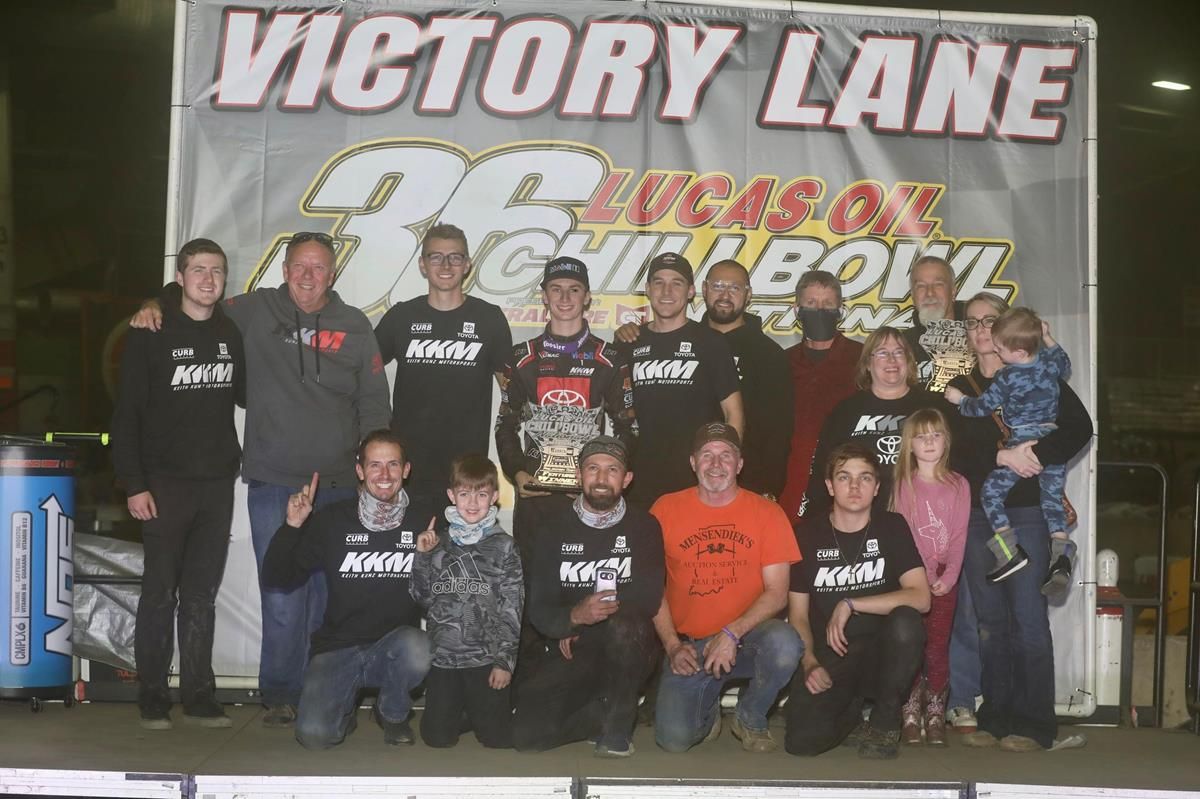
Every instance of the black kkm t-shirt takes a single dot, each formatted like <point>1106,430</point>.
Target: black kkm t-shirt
<point>442,399</point>
<point>837,565</point>
<point>679,381</point>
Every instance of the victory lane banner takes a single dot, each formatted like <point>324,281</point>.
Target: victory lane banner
<point>787,136</point>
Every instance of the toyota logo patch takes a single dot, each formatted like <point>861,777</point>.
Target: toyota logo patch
<point>889,445</point>
<point>564,396</point>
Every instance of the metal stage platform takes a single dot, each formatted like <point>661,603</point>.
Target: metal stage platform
<point>46,754</point>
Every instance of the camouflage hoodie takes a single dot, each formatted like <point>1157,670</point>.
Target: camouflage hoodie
<point>473,596</point>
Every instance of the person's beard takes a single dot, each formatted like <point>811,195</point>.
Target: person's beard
<point>601,503</point>
<point>724,316</point>
<point>931,313</point>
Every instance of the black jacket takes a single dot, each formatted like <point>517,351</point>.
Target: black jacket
<point>767,398</point>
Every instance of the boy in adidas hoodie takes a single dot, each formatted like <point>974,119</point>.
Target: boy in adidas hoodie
<point>468,578</point>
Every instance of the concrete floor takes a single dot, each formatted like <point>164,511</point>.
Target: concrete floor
<point>106,736</point>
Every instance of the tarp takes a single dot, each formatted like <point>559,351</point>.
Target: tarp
<point>788,136</point>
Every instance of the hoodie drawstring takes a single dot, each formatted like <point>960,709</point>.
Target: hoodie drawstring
<point>299,346</point>
<point>316,346</point>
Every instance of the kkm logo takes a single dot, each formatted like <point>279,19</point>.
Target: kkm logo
<point>523,203</point>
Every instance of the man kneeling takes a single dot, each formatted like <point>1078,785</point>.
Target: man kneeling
<point>370,636</point>
<point>728,551</point>
<point>597,580</point>
<point>868,590</point>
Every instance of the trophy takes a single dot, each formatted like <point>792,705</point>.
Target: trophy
<point>558,433</point>
<point>946,342</point>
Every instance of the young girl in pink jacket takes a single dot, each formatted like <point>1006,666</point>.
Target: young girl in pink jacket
<point>936,502</point>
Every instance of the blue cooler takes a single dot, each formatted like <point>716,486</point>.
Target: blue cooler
<point>37,529</point>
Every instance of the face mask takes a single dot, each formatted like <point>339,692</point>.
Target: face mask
<point>819,324</point>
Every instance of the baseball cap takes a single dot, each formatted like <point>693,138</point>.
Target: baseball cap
<point>716,431</point>
<point>673,261</point>
<point>605,445</point>
<point>565,266</point>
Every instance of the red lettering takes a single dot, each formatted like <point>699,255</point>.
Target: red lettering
<point>854,209</point>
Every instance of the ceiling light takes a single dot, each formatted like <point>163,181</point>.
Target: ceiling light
<point>1172,85</point>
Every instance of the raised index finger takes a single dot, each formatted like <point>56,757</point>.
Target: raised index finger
<point>312,487</point>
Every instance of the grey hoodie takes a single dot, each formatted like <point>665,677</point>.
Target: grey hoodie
<point>311,397</point>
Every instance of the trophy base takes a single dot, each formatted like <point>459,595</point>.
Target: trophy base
<point>555,488</point>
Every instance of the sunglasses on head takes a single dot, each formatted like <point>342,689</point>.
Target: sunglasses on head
<point>320,238</point>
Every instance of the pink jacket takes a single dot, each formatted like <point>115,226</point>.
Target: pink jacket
<point>937,514</point>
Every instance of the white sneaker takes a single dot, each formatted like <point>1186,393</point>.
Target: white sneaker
<point>961,719</point>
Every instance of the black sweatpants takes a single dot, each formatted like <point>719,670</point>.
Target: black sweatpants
<point>185,549</point>
<point>592,695</point>
<point>458,700</point>
<point>879,666</point>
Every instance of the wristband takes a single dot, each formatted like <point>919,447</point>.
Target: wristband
<point>849,604</point>
<point>736,641</point>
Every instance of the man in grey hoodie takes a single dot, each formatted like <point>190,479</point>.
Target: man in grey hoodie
<point>315,386</point>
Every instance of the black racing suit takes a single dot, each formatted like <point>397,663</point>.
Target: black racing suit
<point>556,386</point>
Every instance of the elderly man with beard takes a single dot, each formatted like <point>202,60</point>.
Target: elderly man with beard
<point>937,336</point>
<point>370,636</point>
<point>728,555</point>
<point>596,582</point>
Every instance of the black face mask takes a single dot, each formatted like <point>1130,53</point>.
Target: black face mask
<point>819,324</point>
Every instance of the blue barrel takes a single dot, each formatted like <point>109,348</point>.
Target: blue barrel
<point>37,530</point>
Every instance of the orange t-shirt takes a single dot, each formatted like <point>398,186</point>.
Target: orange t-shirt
<point>715,556</point>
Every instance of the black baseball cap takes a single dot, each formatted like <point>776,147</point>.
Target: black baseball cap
<point>605,445</point>
<point>716,431</point>
<point>565,266</point>
<point>673,261</point>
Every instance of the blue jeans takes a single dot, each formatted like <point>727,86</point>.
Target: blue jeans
<point>1014,631</point>
<point>965,666</point>
<point>395,664</point>
<point>687,705</point>
<point>288,617</point>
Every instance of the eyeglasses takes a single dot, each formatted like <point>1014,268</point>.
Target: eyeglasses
<point>438,258</point>
<point>321,238</point>
<point>987,322</point>
<point>888,355</point>
<point>724,287</point>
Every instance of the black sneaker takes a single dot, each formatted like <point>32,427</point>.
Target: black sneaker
<point>206,713</point>
<point>1018,561</point>
<point>1058,579</point>
<point>880,745</point>
<point>615,746</point>
<point>395,733</point>
<point>155,718</point>
<point>279,716</point>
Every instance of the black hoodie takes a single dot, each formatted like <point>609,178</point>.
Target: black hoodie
<point>767,397</point>
<point>174,410</point>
